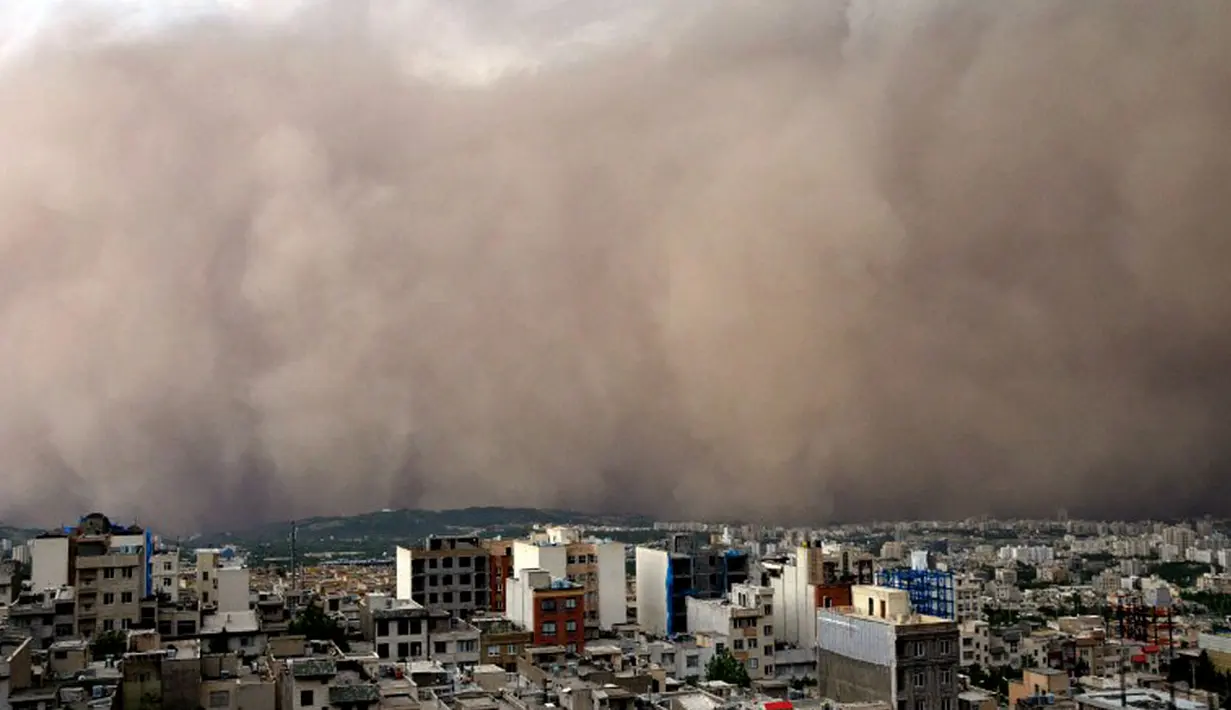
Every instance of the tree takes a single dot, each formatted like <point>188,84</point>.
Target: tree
<point>109,643</point>
<point>316,626</point>
<point>727,668</point>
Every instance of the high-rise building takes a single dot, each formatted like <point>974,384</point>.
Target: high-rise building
<point>447,572</point>
<point>597,565</point>
<point>879,650</point>
<point>666,578</point>
<point>110,567</point>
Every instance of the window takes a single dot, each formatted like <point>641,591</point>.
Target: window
<point>126,597</point>
<point>440,647</point>
<point>767,631</point>
<point>946,677</point>
<point>753,663</point>
<point>108,573</point>
<point>108,598</point>
<point>570,626</point>
<point>382,627</point>
<point>738,644</point>
<point>511,649</point>
<point>463,579</point>
<point>433,598</point>
<point>416,649</point>
<point>204,576</point>
<point>945,647</point>
<point>921,705</point>
<point>446,597</point>
<point>572,559</point>
<point>752,643</point>
<point>433,580</point>
<point>305,698</point>
<point>127,572</point>
<point>493,650</point>
<point>920,679</point>
<point>166,581</point>
<point>108,624</point>
<point>382,650</point>
<point>921,648</point>
<point>463,561</point>
<point>769,671</point>
<point>691,662</point>
<point>946,704</point>
<point>570,603</point>
<point>166,566</point>
<point>447,580</point>
<point>220,699</point>
<point>465,597</point>
<point>467,646</point>
<point>432,563</point>
<point>403,650</point>
<point>548,628</point>
<point>769,650</point>
<point>447,563</point>
<point>548,605</point>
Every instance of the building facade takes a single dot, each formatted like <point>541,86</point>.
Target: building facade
<point>553,609</point>
<point>879,650</point>
<point>449,573</point>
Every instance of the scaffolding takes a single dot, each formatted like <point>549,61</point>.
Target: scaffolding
<point>931,591</point>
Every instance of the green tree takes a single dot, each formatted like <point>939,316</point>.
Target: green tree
<point>727,668</point>
<point>109,643</point>
<point>313,623</point>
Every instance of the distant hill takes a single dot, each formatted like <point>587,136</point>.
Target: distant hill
<point>376,534</point>
<point>17,534</point>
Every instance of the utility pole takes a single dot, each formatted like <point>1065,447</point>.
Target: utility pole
<point>294,562</point>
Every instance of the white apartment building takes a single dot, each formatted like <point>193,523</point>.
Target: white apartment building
<point>975,637</point>
<point>597,565</point>
<point>967,590</point>
<point>743,623</point>
<point>222,585</point>
<point>166,573</point>
<point>404,630</point>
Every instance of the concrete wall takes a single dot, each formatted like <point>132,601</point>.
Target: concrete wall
<point>49,560</point>
<point>232,589</point>
<point>651,585</point>
<point>849,680</point>
<point>612,583</point>
<point>553,558</point>
<point>403,572</point>
<point>858,638</point>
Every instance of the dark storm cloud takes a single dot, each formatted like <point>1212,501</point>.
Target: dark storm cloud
<point>795,259</point>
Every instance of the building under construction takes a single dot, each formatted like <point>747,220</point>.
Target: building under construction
<point>932,592</point>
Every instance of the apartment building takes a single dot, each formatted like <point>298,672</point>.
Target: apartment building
<point>499,568</point>
<point>501,641</point>
<point>403,630</point>
<point>109,566</point>
<point>812,579</point>
<point>46,616</point>
<point>222,582</point>
<point>878,650</point>
<point>597,565</point>
<point>743,624</point>
<point>166,572</point>
<point>667,577</point>
<point>552,608</point>
<point>447,572</point>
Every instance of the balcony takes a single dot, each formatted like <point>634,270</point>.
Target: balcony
<point>109,560</point>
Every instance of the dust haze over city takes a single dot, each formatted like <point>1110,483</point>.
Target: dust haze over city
<point>802,260</point>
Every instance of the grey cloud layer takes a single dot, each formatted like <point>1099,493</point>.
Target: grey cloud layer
<point>793,259</point>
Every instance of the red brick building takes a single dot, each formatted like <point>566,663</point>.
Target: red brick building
<point>553,609</point>
<point>500,568</point>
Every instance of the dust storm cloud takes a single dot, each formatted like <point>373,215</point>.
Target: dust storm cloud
<point>791,260</point>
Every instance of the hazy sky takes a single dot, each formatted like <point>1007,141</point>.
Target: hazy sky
<point>779,260</point>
